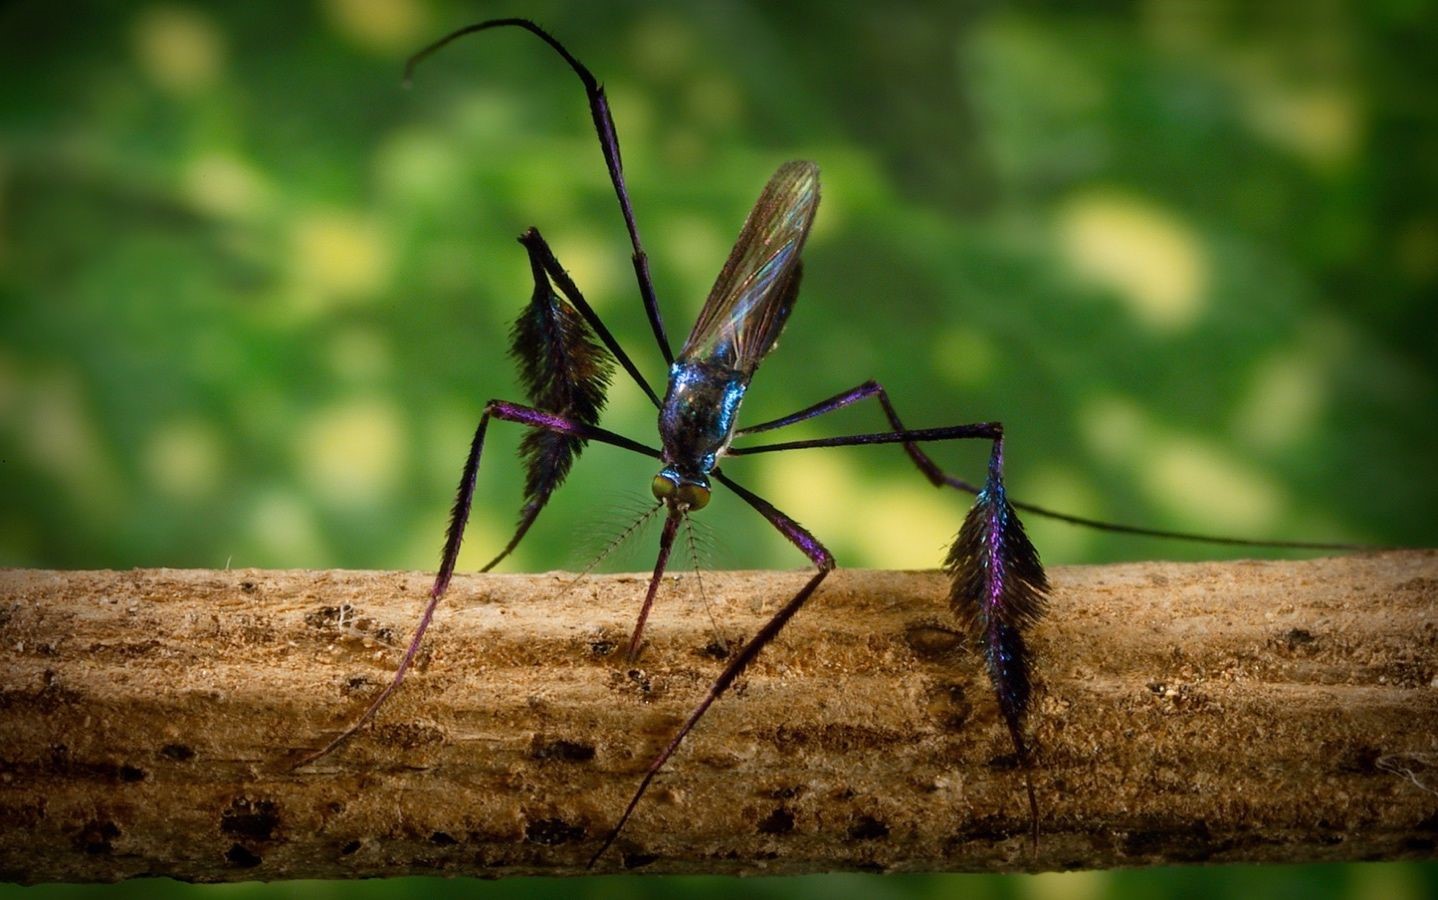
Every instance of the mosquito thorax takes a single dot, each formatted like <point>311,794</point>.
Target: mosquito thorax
<point>696,420</point>
<point>672,488</point>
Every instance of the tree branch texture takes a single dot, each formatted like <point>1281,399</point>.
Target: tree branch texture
<point>1247,711</point>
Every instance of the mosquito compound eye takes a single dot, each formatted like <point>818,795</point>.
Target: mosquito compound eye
<point>662,487</point>
<point>696,495</point>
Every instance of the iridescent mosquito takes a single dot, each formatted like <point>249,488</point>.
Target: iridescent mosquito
<point>566,359</point>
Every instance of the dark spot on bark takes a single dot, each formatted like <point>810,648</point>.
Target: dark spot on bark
<point>636,860</point>
<point>358,684</point>
<point>602,648</point>
<point>788,792</point>
<point>94,839</point>
<point>552,832</point>
<point>780,821</point>
<point>1299,641</point>
<point>131,774</point>
<point>868,828</point>
<point>324,618</point>
<point>1363,761</point>
<point>1005,762</point>
<point>254,820</point>
<point>933,642</point>
<point>560,750</point>
<point>241,858</point>
<point>638,677</point>
<point>247,586</point>
<point>177,752</point>
<point>350,848</point>
<point>715,649</point>
<point>441,839</point>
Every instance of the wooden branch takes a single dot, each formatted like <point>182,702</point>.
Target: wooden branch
<point>1275,711</point>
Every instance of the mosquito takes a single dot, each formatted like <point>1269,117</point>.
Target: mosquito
<point>566,359</point>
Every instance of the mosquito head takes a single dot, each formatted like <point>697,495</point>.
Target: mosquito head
<point>681,490</point>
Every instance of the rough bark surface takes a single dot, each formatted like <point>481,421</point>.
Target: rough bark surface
<point>1249,711</point>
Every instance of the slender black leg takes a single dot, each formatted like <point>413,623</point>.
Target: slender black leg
<point>938,477</point>
<point>989,430</point>
<point>822,559</point>
<point>608,143</point>
<point>846,398</point>
<point>459,516</point>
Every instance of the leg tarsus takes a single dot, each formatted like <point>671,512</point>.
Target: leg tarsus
<point>454,535</point>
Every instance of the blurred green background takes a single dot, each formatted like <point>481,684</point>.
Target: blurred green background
<point>253,294</point>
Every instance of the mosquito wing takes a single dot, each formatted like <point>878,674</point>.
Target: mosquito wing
<point>755,290</point>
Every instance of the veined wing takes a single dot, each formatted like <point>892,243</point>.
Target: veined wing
<point>755,290</point>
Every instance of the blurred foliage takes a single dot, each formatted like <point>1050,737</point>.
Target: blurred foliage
<point>253,294</point>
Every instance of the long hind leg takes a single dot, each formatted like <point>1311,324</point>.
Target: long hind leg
<point>938,477</point>
<point>459,516</point>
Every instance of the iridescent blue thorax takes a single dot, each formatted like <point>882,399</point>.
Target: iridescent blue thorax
<point>698,417</point>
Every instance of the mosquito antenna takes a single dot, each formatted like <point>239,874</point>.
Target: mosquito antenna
<point>613,544</point>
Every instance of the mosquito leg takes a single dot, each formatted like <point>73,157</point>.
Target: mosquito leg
<point>864,391</point>
<point>938,477</point>
<point>547,271</point>
<point>544,263</point>
<point>608,143</point>
<point>822,559</point>
<point>459,516</point>
<point>998,582</point>
<point>989,430</point>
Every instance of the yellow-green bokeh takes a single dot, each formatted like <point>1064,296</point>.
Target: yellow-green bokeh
<point>254,294</point>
